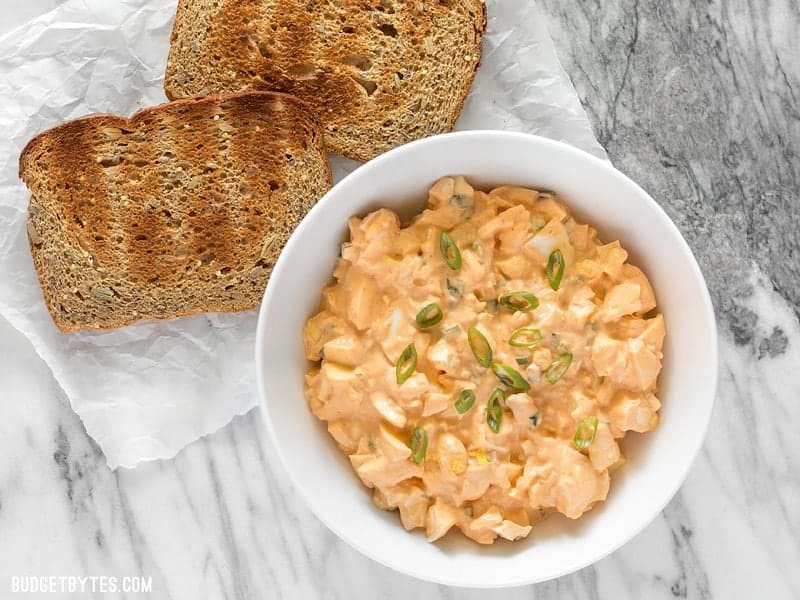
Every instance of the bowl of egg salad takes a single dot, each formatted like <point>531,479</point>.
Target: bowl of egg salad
<point>486,359</point>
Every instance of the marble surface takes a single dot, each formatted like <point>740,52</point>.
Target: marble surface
<point>698,102</point>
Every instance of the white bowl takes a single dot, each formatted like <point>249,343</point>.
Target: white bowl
<point>658,461</point>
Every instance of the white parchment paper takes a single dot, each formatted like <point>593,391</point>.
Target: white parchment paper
<point>145,391</point>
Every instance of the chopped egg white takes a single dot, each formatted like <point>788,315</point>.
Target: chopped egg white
<point>597,361</point>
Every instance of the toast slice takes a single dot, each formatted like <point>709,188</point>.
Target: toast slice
<point>378,73</point>
<point>180,209</point>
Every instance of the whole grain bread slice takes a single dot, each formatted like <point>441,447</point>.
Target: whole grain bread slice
<point>378,73</point>
<point>180,209</point>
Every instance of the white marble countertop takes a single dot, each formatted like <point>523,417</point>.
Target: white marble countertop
<point>700,106</point>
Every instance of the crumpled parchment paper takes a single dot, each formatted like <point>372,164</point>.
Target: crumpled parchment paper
<point>145,391</point>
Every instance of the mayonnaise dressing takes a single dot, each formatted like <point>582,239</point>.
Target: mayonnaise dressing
<point>599,356</point>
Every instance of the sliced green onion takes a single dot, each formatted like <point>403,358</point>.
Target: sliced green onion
<point>525,337</point>
<point>494,412</point>
<point>455,286</point>
<point>555,268</point>
<point>510,376</point>
<point>465,401</point>
<point>523,360</point>
<point>419,444</point>
<point>534,419</point>
<point>452,329</point>
<point>480,347</point>
<point>429,316</point>
<point>462,201</point>
<point>406,364</point>
<point>584,436</point>
<point>519,301</point>
<point>450,252</point>
<point>558,367</point>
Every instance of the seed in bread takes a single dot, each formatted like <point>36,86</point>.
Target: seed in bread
<point>379,73</point>
<point>180,209</point>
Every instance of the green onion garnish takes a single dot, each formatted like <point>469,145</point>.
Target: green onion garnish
<point>523,360</point>
<point>534,419</point>
<point>519,301</point>
<point>419,444</point>
<point>450,252</point>
<point>406,364</point>
<point>494,412</point>
<point>525,337</point>
<point>465,401</point>
<point>510,376</point>
<point>480,347</point>
<point>429,316</point>
<point>584,436</point>
<point>555,268</point>
<point>558,367</point>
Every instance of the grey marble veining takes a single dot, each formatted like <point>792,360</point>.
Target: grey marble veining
<point>695,101</point>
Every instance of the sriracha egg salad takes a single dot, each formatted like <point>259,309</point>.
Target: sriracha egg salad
<point>480,365</point>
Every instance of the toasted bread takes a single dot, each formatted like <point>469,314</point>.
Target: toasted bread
<point>378,73</point>
<point>180,209</point>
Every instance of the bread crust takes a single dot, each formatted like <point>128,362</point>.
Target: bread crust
<point>378,73</point>
<point>178,210</point>
<point>53,131</point>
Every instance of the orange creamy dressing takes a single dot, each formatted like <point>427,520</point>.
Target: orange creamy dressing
<point>485,483</point>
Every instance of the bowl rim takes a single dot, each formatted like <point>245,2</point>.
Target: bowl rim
<point>376,163</point>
